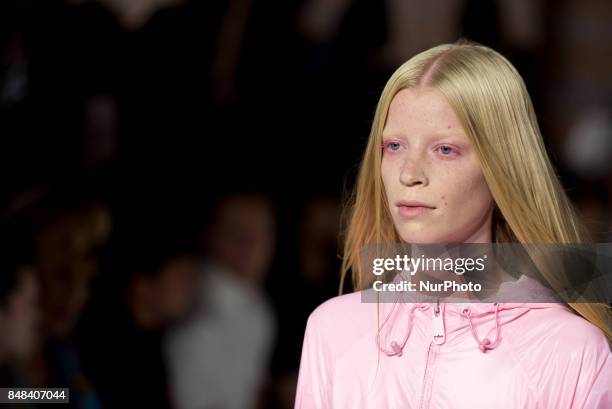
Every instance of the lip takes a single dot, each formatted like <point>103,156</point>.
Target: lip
<point>413,203</point>
<point>411,209</point>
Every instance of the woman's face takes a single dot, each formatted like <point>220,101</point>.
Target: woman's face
<point>433,181</point>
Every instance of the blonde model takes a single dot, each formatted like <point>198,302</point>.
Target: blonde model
<point>455,155</point>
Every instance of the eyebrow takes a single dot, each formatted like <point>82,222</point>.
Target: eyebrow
<point>400,135</point>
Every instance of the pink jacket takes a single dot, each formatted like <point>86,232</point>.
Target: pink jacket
<point>484,355</point>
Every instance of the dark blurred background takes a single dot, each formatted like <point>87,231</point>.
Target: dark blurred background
<point>173,173</point>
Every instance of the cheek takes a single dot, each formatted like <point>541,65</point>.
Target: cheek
<point>467,190</point>
<point>477,187</point>
<point>389,172</point>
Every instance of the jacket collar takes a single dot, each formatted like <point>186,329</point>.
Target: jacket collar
<point>520,295</point>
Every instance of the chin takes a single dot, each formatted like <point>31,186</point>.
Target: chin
<point>424,236</point>
<point>419,239</point>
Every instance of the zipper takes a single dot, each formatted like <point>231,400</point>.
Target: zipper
<point>439,336</point>
<point>426,376</point>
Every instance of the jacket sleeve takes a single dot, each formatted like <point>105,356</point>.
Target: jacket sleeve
<point>584,370</point>
<point>599,395</point>
<point>315,368</point>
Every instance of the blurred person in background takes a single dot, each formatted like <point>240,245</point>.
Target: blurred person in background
<point>148,281</point>
<point>242,235</point>
<point>68,232</point>
<point>219,356</point>
<point>19,306</point>
<point>587,149</point>
<point>587,155</point>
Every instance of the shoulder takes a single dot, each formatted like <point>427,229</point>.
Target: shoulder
<point>339,306</point>
<point>570,332</point>
<point>557,337</point>
<point>557,332</point>
<point>343,313</point>
<point>340,321</point>
<point>578,351</point>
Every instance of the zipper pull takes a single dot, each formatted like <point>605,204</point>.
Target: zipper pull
<point>438,325</point>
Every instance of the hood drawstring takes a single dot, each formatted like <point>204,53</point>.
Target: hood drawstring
<point>485,344</point>
<point>396,349</point>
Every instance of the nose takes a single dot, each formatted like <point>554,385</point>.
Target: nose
<point>412,173</point>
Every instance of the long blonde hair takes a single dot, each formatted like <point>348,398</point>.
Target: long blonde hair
<point>491,101</point>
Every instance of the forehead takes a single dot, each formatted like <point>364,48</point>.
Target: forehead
<point>424,110</point>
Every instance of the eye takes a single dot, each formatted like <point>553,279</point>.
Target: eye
<point>391,146</point>
<point>446,150</point>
